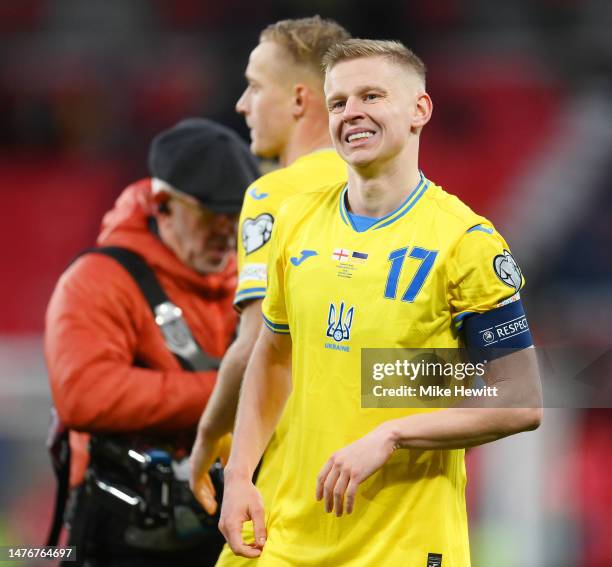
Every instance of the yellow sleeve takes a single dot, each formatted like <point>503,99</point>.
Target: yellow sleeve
<point>483,274</point>
<point>259,208</point>
<point>274,308</point>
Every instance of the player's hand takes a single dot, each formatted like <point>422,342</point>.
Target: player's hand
<point>242,502</point>
<point>347,468</point>
<point>204,453</point>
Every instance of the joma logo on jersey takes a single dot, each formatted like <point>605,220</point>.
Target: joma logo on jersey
<point>339,323</point>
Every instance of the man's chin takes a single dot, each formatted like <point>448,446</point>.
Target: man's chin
<point>210,265</point>
<point>261,150</point>
<point>360,159</point>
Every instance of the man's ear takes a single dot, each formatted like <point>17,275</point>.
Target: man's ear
<point>422,112</point>
<point>301,99</point>
<point>162,200</point>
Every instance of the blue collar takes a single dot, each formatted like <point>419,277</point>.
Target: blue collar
<point>361,223</point>
<point>410,202</point>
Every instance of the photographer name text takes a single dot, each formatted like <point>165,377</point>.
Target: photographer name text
<point>434,392</point>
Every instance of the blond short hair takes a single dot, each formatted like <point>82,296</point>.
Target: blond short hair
<point>395,51</point>
<point>306,39</point>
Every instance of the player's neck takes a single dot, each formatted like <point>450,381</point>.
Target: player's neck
<point>378,191</point>
<point>304,140</point>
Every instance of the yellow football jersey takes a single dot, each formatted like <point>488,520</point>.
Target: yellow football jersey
<point>405,282</point>
<point>261,202</point>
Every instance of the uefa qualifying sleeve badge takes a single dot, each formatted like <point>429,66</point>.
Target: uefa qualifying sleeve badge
<point>507,270</point>
<point>256,232</point>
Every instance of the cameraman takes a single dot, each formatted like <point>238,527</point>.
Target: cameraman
<point>113,374</point>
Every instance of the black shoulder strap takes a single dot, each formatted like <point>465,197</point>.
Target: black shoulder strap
<point>139,270</point>
<point>179,339</point>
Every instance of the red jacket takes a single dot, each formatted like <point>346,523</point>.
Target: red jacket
<point>98,324</point>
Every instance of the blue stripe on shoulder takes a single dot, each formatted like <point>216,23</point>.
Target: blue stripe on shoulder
<point>481,228</point>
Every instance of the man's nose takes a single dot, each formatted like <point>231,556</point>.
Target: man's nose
<point>241,106</point>
<point>353,109</point>
<point>225,224</point>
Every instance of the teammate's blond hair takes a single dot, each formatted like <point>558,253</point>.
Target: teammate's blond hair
<point>306,39</point>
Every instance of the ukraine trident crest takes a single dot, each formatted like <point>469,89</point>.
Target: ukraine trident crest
<point>339,323</point>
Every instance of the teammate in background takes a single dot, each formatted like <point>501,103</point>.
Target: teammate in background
<point>284,107</point>
<point>113,365</point>
<point>389,260</point>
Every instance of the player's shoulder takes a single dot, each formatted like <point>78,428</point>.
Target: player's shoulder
<point>319,166</point>
<point>452,210</point>
<point>308,173</point>
<point>311,171</point>
<point>269,190</point>
<point>308,202</point>
<point>473,234</point>
<point>265,194</point>
<point>273,181</point>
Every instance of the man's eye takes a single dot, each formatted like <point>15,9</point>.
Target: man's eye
<point>371,96</point>
<point>338,105</point>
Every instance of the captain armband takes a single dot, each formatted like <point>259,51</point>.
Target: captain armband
<point>497,333</point>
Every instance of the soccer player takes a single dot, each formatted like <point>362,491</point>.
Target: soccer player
<point>388,260</point>
<point>284,107</point>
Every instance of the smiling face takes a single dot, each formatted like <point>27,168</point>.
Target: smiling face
<point>376,108</point>
<point>266,103</point>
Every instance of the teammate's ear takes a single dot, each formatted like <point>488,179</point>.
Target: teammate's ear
<point>301,94</point>
<point>422,112</point>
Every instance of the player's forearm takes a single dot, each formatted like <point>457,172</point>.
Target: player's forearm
<point>220,412</point>
<point>266,387</point>
<point>459,427</point>
<point>516,407</point>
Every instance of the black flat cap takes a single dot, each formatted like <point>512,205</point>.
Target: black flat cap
<point>206,160</point>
